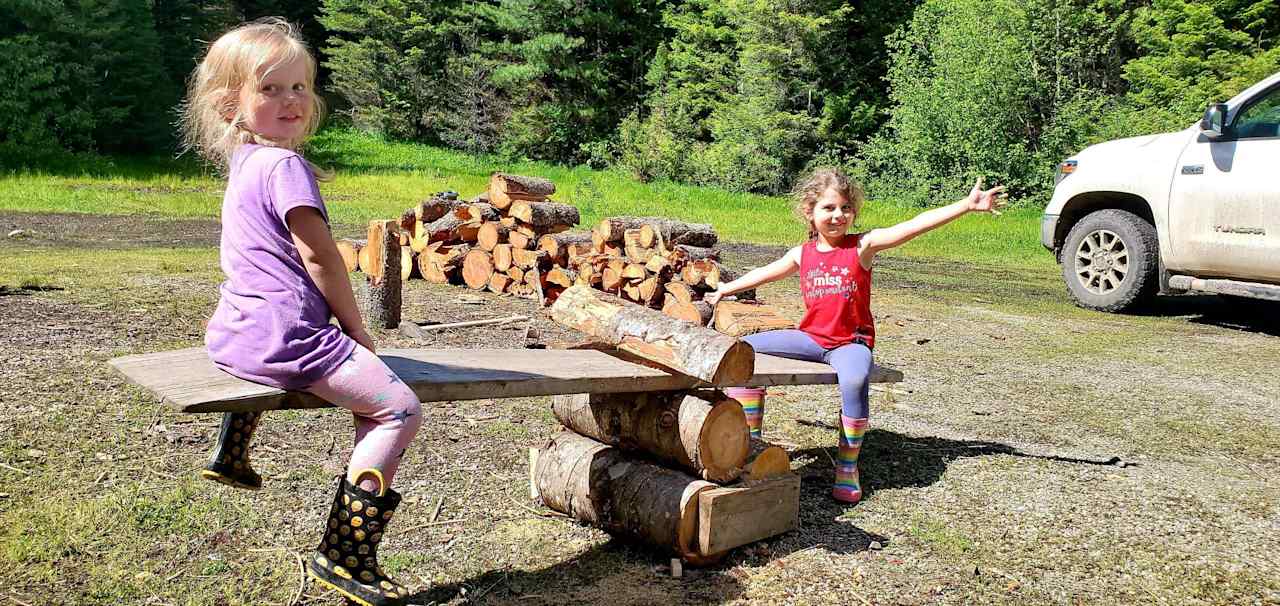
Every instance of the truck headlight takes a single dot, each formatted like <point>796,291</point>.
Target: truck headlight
<point>1064,168</point>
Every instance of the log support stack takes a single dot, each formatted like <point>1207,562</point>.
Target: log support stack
<point>674,469</point>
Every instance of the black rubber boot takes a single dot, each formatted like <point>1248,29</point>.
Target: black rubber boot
<point>347,559</point>
<point>229,463</point>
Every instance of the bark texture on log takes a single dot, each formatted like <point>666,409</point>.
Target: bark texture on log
<point>544,216</point>
<point>673,232</point>
<point>383,298</point>
<point>595,483</point>
<point>557,245</point>
<point>698,352</point>
<point>703,432</point>
<point>505,188</point>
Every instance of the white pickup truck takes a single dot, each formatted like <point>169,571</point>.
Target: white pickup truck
<point>1194,210</point>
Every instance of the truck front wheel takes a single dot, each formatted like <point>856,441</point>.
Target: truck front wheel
<point>1110,261</point>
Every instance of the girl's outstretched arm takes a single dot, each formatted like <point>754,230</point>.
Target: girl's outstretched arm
<point>321,258</point>
<point>978,200</point>
<point>783,267</point>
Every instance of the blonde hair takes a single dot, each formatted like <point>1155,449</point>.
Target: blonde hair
<point>806,194</point>
<point>212,122</point>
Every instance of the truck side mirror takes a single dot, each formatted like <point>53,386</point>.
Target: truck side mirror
<point>1214,123</point>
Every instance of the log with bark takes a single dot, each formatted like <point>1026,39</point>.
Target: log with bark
<point>544,217</point>
<point>611,229</point>
<point>528,259</point>
<point>765,461</point>
<point>502,257</point>
<point>739,319</point>
<point>703,432</point>
<point>564,245</point>
<point>350,251</point>
<point>695,312</point>
<point>505,188</point>
<point>491,234</point>
<point>477,267</point>
<point>382,300</point>
<point>600,485</point>
<point>670,232</point>
<point>695,351</point>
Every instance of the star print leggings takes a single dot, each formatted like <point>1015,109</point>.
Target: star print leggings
<point>387,413</point>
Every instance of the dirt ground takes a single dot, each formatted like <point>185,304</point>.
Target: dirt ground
<point>1036,453</point>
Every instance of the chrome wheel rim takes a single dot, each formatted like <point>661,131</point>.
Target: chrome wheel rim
<point>1101,262</point>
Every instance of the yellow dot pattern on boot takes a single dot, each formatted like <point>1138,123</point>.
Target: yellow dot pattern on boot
<point>356,506</point>
<point>373,511</point>
<point>358,535</point>
<point>351,561</point>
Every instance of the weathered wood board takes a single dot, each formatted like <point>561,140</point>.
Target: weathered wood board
<point>732,517</point>
<point>186,380</point>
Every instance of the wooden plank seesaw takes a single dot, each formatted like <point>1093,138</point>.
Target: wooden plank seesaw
<point>186,380</point>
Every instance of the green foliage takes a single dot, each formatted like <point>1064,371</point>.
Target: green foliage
<point>80,74</point>
<point>996,88</point>
<point>1193,54</point>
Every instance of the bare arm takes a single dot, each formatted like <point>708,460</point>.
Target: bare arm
<point>783,267</point>
<point>978,200</point>
<point>323,262</point>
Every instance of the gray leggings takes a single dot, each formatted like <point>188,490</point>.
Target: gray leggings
<point>852,363</point>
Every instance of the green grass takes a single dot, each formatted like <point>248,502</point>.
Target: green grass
<point>379,179</point>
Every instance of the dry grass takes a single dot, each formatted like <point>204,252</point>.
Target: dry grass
<point>987,470</point>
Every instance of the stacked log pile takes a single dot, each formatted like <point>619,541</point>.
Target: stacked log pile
<point>513,239</point>
<point>675,469</point>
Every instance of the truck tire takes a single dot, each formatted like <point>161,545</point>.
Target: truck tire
<point>1110,261</point>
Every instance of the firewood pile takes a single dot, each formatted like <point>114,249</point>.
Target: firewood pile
<point>513,239</point>
<point>675,469</point>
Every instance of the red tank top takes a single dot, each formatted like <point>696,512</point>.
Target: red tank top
<point>837,294</point>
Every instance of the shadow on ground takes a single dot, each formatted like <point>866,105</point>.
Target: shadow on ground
<point>1233,313</point>
<point>615,572</point>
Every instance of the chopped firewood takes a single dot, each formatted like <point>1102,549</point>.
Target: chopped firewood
<point>557,245</point>
<point>671,232</point>
<point>433,208</point>
<point>544,216</point>
<point>562,276</point>
<point>498,282</point>
<point>491,234</point>
<point>696,312</point>
<point>611,229</point>
<point>468,232</point>
<point>740,319</point>
<point>765,461</point>
<point>476,212</point>
<point>408,269</point>
<point>442,229</point>
<point>691,350</point>
<point>703,432</point>
<point>650,290</point>
<point>681,291</point>
<point>505,188</point>
<point>520,240</point>
<point>502,257</point>
<point>516,273</point>
<point>634,272</point>
<point>527,259</point>
<point>350,251</point>
<point>728,275</point>
<point>477,266</point>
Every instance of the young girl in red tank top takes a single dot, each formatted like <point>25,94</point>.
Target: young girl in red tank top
<point>835,283</point>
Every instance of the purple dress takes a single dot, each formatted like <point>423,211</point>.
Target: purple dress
<point>272,323</point>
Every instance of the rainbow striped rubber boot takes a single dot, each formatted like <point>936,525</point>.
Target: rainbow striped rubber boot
<point>752,401</point>
<point>847,487</point>
<point>229,462</point>
<point>347,558</point>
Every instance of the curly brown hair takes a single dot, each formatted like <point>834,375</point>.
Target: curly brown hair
<point>806,193</point>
